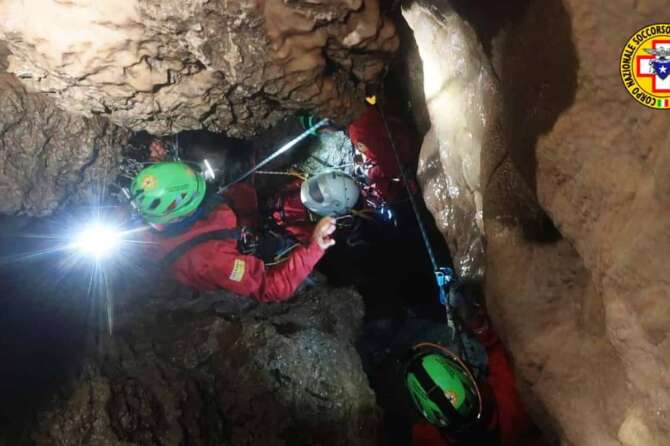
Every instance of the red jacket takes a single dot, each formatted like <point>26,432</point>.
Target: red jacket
<point>513,421</point>
<point>369,130</point>
<point>289,213</point>
<point>218,264</point>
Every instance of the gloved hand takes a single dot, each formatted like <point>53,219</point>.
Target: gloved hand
<point>323,231</point>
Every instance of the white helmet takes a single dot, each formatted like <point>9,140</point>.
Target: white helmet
<point>331,193</point>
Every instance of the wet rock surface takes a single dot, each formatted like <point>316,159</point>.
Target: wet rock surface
<point>460,93</point>
<point>51,157</point>
<point>576,216</point>
<point>222,370</point>
<point>228,66</point>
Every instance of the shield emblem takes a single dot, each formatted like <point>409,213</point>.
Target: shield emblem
<point>661,68</point>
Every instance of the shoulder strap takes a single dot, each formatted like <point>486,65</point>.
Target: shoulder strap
<point>180,250</point>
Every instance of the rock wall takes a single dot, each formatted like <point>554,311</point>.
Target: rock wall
<point>50,157</point>
<point>460,92</point>
<point>600,170</point>
<point>219,370</point>
<point>229,66</point>
<point>574,178</point>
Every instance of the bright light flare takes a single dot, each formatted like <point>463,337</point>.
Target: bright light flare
<point>97,240</point>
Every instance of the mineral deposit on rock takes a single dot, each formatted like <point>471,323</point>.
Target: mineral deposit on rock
<point>228,66</point>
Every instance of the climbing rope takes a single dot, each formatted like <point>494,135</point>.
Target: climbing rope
<point>280,151</point>
<point>443,275</point>
<point>301,176</point>
<point>412,200</point>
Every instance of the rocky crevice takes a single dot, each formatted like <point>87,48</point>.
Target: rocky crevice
<point>573,183</point>
<point>221,370</point>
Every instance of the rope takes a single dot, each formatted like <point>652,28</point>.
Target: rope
<point>412,200</point>
<point>291,174</point>
<point>280,151</point>
<point>443,276</point>
<point>364,214</point>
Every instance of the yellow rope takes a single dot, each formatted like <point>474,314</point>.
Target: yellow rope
<point>299,175</point>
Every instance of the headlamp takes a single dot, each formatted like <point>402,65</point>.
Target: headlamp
<point>97,240</point>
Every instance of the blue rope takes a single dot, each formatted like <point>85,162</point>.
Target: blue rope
<point>444,276</point>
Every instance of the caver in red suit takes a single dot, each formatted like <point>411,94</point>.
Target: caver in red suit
<point>370,139</point>
<point>288,212</point>
<point>217,264</point>
<point>506,421</point>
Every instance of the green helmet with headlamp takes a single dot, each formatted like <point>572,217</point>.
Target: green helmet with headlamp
<point>442,388</point>
<point>166,192</point>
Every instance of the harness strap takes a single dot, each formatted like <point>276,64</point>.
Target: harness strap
<point>221,234</point>
<point>271,247</point>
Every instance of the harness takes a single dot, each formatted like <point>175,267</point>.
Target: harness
<point>183,248</point>
<point>271,247</point>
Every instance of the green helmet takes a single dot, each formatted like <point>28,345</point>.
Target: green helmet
<point>442,388</point>
<point>165,192</point>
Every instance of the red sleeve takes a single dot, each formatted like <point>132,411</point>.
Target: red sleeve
<point>218,264</point>
<point>512,417</point>
<point>425,434</point>
<point>282,280</point>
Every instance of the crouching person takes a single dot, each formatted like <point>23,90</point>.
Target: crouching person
<point>197,238</point>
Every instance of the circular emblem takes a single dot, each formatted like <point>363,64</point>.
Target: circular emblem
<point>452,397</point>
<point>149,182</point>
<point>645,66</point>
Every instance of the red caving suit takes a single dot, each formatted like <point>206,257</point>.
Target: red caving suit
<point>512,419</point>
<point>369,130</point>
<point>218,264</point>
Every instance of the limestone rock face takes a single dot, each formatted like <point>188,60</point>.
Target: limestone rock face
<point>50,157</point>
<point>460,93</point>
<point>228,66</point>
<point>602,169</point>
<point>574,179</point>
<point>217,370</point>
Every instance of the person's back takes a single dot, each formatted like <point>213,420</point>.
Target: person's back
<point>199,243</point>
<point>219,263</point>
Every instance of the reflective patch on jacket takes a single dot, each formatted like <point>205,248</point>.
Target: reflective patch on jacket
<point>239,267</point>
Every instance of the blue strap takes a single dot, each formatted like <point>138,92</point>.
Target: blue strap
<point>444,275</point>
<point>283,149</point>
